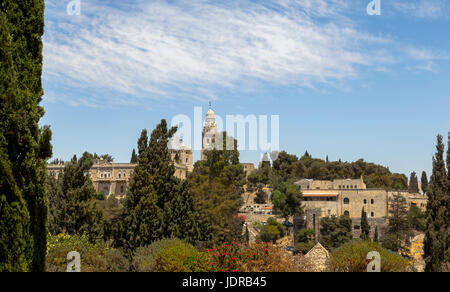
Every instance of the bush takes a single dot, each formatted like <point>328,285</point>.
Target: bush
<point>95,257</point>
<point>269,258</point>
<point>167,255</point>
<point>351,257</point>
<point>272,231</point>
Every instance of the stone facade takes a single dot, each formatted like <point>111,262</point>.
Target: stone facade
<point>317,258</point>
<point>348,197</point>
<point>113,178</point>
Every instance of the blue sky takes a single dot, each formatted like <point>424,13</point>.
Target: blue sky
<point>344,84</point>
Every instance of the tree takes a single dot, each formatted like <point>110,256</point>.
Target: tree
<point>335,231</point>
<point>261,195</point>
<point>134,158</point>
<point>365,227</point>
<point>398,229</point>
<point>158,205</point>
<point>73,208</point>
<point>436,243</point>
<point>272,231</point>
<point>105,157</point>
<point>287,200</point>
<point>375,236</point>
<point>417,218</point>
<point>304,241</point>
<point>217,186</point>
<point>413,183</point>
<point>24,146</point>
<point>424,182</point>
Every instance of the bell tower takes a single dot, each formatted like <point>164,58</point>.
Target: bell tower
<point>209,132</point>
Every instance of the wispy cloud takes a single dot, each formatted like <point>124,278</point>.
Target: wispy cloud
<point>427,9</point>
<point>191,47</point>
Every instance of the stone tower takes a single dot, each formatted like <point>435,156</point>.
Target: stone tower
<point>209,132</point>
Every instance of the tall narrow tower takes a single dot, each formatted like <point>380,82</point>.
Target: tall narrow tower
<point>209,132</point>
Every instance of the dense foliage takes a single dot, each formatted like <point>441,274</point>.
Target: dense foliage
<point>352,257</point>
<point>73,208</point>
<point>24,147</point>
<point>288,167</point>
<point>437,236</point>
<point>95,257</point>
<point>398,230</point>
<point>216,186</point>
<point>272,231</point>
<point>158,205</point>
<point>335,231</point>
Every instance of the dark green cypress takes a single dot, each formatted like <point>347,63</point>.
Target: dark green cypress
<point>375,236</point>
<point>25,147</point>
<point>134,158</point>
<point>437,234</point>
<point>413,183</point>
<point>424,181</point>
<point>365,227</point>
<point>158,204</point>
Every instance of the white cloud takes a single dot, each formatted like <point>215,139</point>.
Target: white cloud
<point>427,9</point>
<point>191,47</point>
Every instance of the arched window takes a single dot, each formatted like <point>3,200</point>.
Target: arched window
<point>347,213</point>
<point>365,201</point>
<point>346,201</point>
<point>372,201</point>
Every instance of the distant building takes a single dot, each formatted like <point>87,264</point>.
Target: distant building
<point>113,178</point>
<point>348,197</point>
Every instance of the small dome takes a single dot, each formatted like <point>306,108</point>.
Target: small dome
<point>210,112</point>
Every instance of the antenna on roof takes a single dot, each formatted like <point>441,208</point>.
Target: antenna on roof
<point>209,105</point>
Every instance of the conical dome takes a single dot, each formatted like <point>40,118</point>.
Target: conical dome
<point>210,113</point>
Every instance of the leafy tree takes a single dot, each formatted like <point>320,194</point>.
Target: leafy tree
<point>365,227</point>
<point>217,186</point>
<point>105,157</point>
<point>436,243</point>
<point>272,231</point>
<point>261,195</point>
<point>24,147</point>
<point>398,229</point>
<point>417,218</point>
<point>424,181</point>
<point>73,208</point>
<point>287,200</point>
<point>335,231</point>
<point>134,158</point>
<point>413,183</point>
<point>158,205</point>
<point>304,241</point>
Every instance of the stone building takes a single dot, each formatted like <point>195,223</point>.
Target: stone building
<point>348,197</point>
<point>113,178</point>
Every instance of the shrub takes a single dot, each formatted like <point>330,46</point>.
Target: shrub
<point>272,231</point>
<point>269,258</point>
<point>95,257</point>
<point>166,255</point>
<point>351,257</point>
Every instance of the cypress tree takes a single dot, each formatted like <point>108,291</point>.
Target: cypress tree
<point>424,181</point>
<point>158,205</point>
<point>398,228</point>
<point>436,241</point>
<point>375,236</point>
<point>413,183</point>
<point>134,158</point>
<point>24,146</point>
<point>365,227</point>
